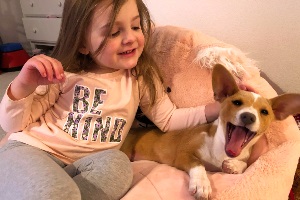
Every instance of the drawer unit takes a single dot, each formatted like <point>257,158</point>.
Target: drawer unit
<point>42,8</point>
<point>42,29</point>
<point>41,20</point>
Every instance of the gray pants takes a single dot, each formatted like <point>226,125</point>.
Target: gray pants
<point>28,173</point>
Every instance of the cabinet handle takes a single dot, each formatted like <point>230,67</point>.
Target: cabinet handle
<point>60,4</point>
<point>31,4</point>
<point>34,30</point>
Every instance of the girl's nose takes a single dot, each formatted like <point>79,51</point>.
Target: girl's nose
<point>128,37</point>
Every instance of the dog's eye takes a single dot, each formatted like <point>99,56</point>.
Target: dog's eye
<point>264,112</point>
<point>237,102</point>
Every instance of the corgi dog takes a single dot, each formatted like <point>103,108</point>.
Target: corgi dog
<point>224,145</point>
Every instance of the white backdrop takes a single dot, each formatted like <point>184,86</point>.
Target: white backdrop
<point>269,31</point>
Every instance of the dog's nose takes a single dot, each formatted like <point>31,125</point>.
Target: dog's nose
<point>248,118</point>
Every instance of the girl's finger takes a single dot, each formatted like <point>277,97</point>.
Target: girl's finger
<point>48,66</point>
<point>247,87</point>
<point>34,63</point>
<point>58,69</point>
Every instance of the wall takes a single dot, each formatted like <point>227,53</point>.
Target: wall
<point>269,31</point>
<point>11,25</point>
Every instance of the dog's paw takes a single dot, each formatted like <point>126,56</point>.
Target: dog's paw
<point>199,185</point>
<point>233,166</point>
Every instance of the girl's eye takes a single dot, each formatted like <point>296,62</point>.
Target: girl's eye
<point>136,28</point>
<point>115,34</point>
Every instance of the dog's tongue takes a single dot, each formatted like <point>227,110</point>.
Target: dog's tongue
<point>234,146</point>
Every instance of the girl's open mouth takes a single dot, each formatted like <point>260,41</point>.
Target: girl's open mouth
<point>129,52</point>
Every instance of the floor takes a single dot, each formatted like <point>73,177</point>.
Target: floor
<point>5,79</point>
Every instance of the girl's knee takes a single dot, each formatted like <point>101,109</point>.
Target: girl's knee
<point>117,154</point>
<point>119,160</point>
<point>116,167</point>
<point>109,171</point>
<point>60,191</point>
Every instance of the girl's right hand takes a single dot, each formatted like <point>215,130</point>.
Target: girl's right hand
<point>41,70</point>
<point>38,70</point>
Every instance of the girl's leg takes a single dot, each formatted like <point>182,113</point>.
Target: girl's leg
<point>27,172</point>
<point>104,175</point>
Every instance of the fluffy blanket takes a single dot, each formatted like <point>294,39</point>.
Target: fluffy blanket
<point>185,58</point>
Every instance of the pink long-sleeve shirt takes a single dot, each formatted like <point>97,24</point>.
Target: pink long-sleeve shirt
<point>89,113</point>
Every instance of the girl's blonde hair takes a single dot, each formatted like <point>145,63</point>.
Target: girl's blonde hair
<point>76,18</point>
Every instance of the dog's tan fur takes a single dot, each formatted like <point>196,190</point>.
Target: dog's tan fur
<point>208,147</point>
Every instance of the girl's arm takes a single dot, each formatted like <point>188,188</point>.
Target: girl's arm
<point>19,114</point>
<point>166,116</point>
<point>38,70</point>
<point>20,105</point>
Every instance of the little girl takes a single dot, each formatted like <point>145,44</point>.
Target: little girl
<point>68,115</point>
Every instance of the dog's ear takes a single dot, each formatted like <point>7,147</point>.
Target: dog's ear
<point>223,83</point>
<point>285,105</point>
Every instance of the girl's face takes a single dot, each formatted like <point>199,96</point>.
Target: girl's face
<point>125,43</point>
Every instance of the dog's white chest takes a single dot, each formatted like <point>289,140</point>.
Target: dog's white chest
<point>213,151</point>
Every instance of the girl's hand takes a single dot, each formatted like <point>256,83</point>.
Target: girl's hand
<point>41,70</point>
<point>247,88</point>
<point>212,111</point>
<point>38,70</point>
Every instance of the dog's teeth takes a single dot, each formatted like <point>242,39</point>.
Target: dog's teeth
<point>230,132</point>
<point>249,136</point>
<point>246,139</point>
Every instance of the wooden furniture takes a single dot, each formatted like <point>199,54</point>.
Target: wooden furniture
<point>42,19</point>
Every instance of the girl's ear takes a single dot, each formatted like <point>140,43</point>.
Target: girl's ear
<point>84,50</point>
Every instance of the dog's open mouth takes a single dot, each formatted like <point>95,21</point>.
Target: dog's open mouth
<point>237,137</point>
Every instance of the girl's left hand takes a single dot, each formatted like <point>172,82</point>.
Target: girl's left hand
<point>246,87</point>
<point>212,111</point>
